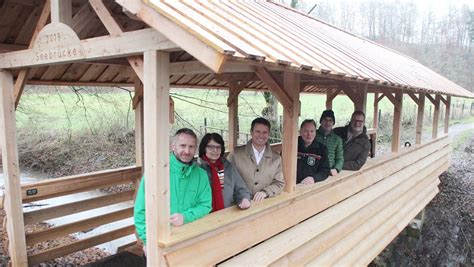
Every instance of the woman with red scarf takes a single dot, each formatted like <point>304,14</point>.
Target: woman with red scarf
<point>228,187</point>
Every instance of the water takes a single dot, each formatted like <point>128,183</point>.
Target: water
<point>111,246</point>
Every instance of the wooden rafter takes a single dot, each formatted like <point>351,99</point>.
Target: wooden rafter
<point>22,76</point>
<point>211,56</point>
<point>274,87</point>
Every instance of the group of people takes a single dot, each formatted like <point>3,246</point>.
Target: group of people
<point>252,172</point>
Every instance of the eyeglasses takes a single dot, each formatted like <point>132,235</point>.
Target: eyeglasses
<point>211,147</point>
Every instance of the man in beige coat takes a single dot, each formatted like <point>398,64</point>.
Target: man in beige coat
<point>258,165</point>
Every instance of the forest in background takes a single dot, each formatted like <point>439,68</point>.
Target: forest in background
<point>442,42</point>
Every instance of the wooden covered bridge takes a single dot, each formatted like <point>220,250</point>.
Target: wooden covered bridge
<point>257,45</point>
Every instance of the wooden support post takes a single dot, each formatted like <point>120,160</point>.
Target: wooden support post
<point>436,117</point>
<point>61,11</point>
<point>233,125</point>
<point>419,118</point>
<point>11,172</point>
<point>329,99</point>
<point>446,116</point>
<point>138,126</point>
<point>362,104</point>
<point>237,84</point>
<point>23,74</point>
<point>291,85</point>
<point>397,120</point>
<point>375,123</point>
<point>233,104</point>
<point>156,142</point>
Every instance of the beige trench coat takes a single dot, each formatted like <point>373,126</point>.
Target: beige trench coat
<point>267,176</point>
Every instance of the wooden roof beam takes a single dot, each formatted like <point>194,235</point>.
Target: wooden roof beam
<point>122,45</point>
<point>11,47</point>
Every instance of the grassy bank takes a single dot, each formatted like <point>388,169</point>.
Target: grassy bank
<point>63,131</point>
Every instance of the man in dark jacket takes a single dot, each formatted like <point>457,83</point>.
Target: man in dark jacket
<point>355,141</point>
<point>313,162</point>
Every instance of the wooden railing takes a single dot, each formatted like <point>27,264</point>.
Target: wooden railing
<point>75,184</point>
<point>307,226</point>
<point>407,179</point>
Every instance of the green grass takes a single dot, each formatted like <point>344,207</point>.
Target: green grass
<point>92,110</point>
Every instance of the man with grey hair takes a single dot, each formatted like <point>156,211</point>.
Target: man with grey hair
<point>355,142</point>
<point>190,193</point>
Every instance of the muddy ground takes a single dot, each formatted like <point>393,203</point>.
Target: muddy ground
<point>447,235</point>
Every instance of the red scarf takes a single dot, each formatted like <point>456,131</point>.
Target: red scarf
<point>216,183</point>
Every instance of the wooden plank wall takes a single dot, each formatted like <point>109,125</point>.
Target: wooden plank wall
<point>355,230</point>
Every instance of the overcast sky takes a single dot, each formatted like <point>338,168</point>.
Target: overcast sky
<point>440,7</point>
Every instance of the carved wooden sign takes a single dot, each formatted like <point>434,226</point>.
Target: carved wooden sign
<point>57,41</point>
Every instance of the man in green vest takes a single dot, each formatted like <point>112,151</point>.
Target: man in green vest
<point>190,193</point>
<point>332,141</point>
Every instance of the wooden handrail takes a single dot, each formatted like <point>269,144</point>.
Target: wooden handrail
<point>78,183</point>
<point>75,207</point>
<point>80,245</point>
<point>82,225</point>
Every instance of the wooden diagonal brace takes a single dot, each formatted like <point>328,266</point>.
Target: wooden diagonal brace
<point>114,29</point>
<point>23,74</point>
<point>414,97</point>
<point>333,94</point>
<point>236,87</point>
<point>349,92</point>
<point>380,98</point>
<point>434,101</point>
<point>444,100</point>
<point>274,87</point>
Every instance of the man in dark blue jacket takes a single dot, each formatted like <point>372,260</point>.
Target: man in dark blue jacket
<point>313,162</point>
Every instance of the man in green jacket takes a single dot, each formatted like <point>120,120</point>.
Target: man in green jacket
<point>190,193</point>
<point>332,141</point>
